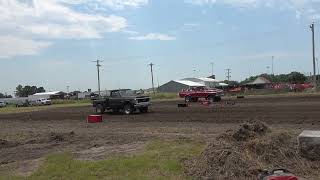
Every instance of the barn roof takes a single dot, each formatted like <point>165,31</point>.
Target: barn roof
<point>223,84</point>
<point>260,80</point>
<point>48,93</point>
<point>208,79</point>
<point>189,83</point>
<point>201,79</point>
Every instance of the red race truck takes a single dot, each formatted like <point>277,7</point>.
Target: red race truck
<point>193,94</point>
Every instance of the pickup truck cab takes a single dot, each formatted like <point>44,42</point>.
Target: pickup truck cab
<point>125,100</point>
<point>193,94</point>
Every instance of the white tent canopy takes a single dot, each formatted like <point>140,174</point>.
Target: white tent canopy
<point>48,93</point>
<point>189,83</point>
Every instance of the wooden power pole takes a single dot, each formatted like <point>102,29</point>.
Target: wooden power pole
<point>98,70</point>
<point>151,67</point>
<point>313,56</point>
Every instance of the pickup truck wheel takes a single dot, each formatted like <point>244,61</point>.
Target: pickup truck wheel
<point>100,109</point>
<point>211,98</point>
<point>127,109</point>
<point>217,98</point>
<point>195,99</point>
<point>187,98</point>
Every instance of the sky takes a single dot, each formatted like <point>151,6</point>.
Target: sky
<point>52,43</point>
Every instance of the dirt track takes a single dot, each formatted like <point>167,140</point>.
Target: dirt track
<point>29,136</point>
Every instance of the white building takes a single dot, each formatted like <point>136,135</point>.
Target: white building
<point>208,82</point>
<point>47,95</point>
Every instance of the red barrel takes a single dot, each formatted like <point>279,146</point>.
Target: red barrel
<point>94,118</point>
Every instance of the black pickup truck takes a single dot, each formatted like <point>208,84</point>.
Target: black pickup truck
<point>125,100</point>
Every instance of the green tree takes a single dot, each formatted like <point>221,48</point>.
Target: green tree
<point>28,90</point>
<point>296,77</point>
<point>293,77</point>
<point>40,90</point>
<point>5,96</point>
<point>19,91</point>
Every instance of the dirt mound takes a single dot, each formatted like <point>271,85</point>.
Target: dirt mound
<point>7,144</point>
<point>250,130</point>
<point>243,154</point>
<point>60,137</point>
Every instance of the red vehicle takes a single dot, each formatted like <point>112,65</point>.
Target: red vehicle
<point>193,94</point>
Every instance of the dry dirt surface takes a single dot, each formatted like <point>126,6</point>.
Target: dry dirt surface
<point>26,137</point>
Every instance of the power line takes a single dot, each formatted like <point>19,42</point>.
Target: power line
<point>313,56</point>
<point>151,67</point>
<point>98,70</point>
<point>228,74</point>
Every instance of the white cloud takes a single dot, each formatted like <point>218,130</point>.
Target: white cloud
<point>305,8</point>
<point>30,20</point>
<point>53,20</point>
<point>154,36</point>
<point>130,32</point>
<point>219,23</point>
<point>190,26</point>
<point>12,46</point>
<point>113,4</point>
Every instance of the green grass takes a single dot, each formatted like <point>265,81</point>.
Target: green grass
<point>12,109</point>
<point>164,96</point>
<point>70,101</point>
<point>275,93</point>
<point>161,160</point>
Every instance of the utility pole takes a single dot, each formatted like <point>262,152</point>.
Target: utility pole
<point>228,74</point>
<point>318,67</point>
<point>272,65</point>
<point>158,81</point>
<point>313,56</point>
<point>151,67</point>
<point>98,70</point>
<point>212,64</point>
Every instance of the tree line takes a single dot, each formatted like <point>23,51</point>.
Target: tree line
<point>25,91</point>
<point>5,96</point>
<point>293,78</point>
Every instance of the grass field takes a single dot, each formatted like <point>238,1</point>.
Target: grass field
<point>164,96</point>
<point>12,109</point>
<point>160,160</point>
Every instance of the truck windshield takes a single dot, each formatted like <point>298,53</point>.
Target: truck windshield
<point>127,93</point>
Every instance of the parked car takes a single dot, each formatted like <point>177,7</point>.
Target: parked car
<point>193,94</point>
<point>40,102</point>
<point>125,100</point>
<point>24,103</point>
<point>3,104</point>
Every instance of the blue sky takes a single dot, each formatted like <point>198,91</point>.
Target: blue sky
<point>52,43</point>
